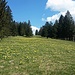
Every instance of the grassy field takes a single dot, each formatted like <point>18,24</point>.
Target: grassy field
<point>36,56</point>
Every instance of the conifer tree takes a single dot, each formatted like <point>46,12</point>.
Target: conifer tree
<point>2,17</point>
<point>8,20</point>
<point>55,29</point>
<point>5,19</point>
<point>68,27</point>
<point>36,32</point>
<point>28,29</point>
<point>60,27</point>
<point>64,28</point>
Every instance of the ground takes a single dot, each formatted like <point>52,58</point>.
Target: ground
<point>36,56</point>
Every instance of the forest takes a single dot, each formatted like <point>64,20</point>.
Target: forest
<point>64,28</point>
<point>9,27</point>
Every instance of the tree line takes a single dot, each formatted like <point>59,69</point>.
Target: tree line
<point>21,29</point>
<point>8,27</point>
<point>64,28</point>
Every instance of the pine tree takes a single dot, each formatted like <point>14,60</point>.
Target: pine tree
<point>46,30</point>
<point>60,27</point>
<point>8,20</point>
<point>36,32</point>
<point>50,30</point>
<point>55,29</point>
<point>28,29</point>
<point>68,27</point>
<point>5,19</point>
<point>14,29</point>
<point>2,17</point>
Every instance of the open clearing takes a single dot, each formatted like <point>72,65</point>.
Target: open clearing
<point>36,56</point>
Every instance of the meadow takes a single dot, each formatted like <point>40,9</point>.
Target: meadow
<point>36,56</point>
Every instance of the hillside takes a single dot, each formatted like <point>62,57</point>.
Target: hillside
<point>36,56</point>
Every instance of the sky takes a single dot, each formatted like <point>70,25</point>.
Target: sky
<point>24,10</point>
<point>40,11</point>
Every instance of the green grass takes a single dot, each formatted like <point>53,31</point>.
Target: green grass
<point>36,56</point>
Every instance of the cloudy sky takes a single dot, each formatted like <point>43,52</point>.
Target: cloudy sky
<point>61,6</point>
<point>40,11</point>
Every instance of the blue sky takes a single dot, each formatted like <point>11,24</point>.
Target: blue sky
<point>33,10</point>
<point>40,11</point>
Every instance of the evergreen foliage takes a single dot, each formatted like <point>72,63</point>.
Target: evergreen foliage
<point>64,28</point>
<point>21,29</point>
<point>8,27</point>
<point>36,32</point>
<point>3,12</point>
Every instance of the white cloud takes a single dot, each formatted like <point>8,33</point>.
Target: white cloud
<point>61,6</point>
<point>34,29</point>
<point>53,18</point>
<point>56,16</point>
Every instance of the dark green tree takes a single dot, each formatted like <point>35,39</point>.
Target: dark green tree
<point>60,27</point>
<point>49,29</point>
<point>14,29</point>
<point>46,30</point>
<point>68,28</point>
<point>64,28</point>
<point>24,29</point>
<point>2,17</point>
<point>36,32</point>
<point>5,19</point>
<point>28,29</point>
<point>8,21</point>
<point>55,29</point>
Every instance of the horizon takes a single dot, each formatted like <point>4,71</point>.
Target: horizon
<point>40,11</point>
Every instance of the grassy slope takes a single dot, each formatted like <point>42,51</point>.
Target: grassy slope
<point>36,56</point>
